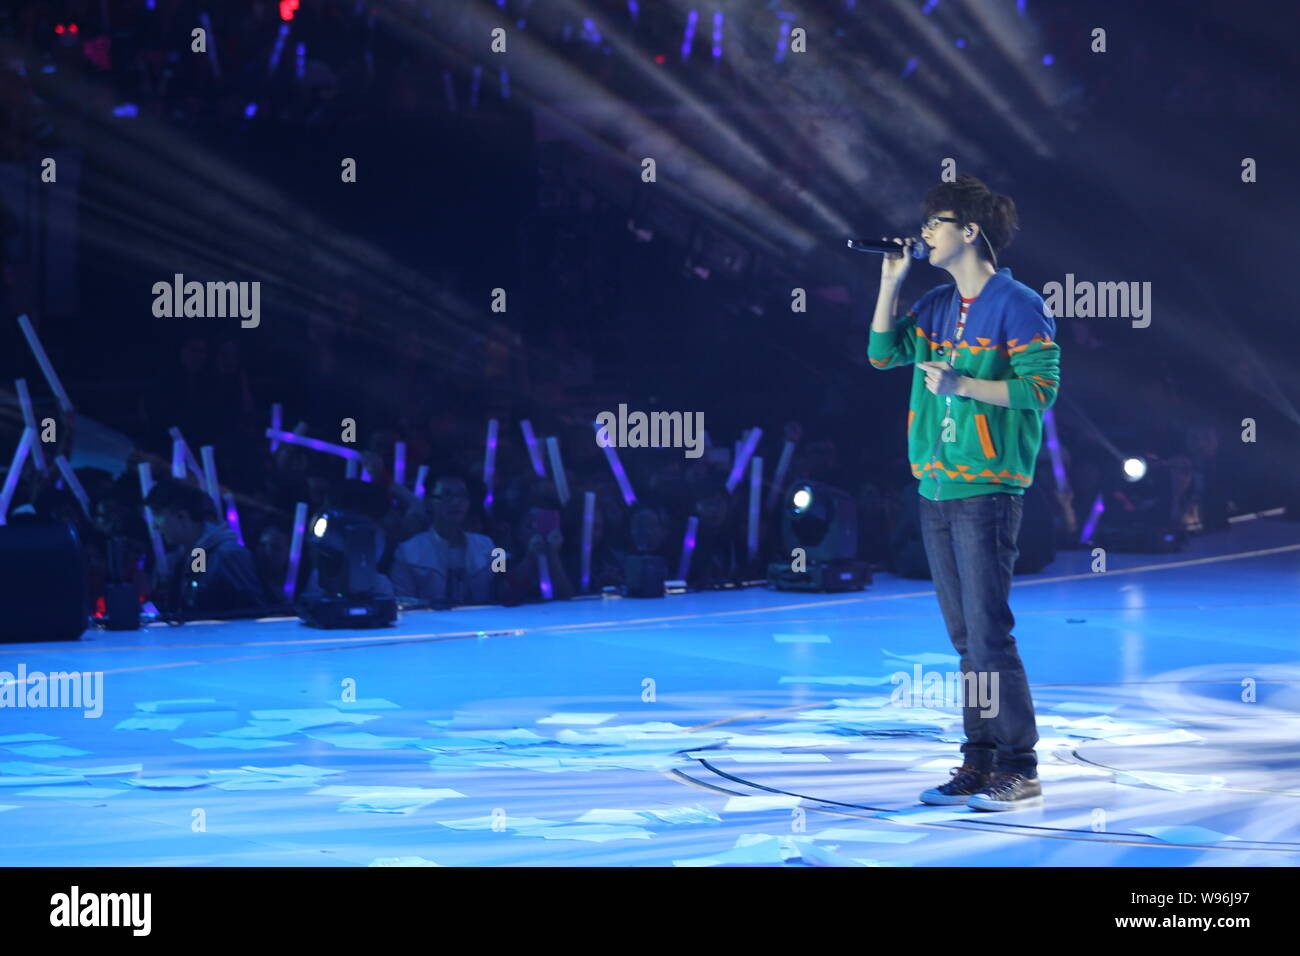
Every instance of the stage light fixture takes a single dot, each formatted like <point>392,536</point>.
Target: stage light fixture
<point>819,530</point>
<point>343,545</point>
<point>1135,469</point>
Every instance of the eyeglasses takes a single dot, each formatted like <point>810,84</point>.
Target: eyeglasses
<point>933,222</point>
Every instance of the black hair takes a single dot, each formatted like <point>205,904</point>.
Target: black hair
<point>176,496</point>
<point>971,201</point>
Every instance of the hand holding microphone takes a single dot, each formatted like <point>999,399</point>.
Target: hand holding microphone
<point>898,255</point>
<point>894,265</point>
<point>897,259</point>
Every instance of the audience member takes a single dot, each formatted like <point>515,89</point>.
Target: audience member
<point>223,578</point>
<point>445,565</point>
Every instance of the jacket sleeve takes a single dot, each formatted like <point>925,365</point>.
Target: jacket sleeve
<point>895,347</point>
<point>402,574</point>
<point>1035,356</point>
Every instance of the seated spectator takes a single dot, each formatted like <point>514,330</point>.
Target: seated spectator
<point>185,517</point>
<point>445,565</point>
<point>719,557</point>
<point>539,533</point>
<point>648,530</point>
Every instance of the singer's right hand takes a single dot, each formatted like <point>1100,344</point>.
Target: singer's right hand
<point>893,267</point>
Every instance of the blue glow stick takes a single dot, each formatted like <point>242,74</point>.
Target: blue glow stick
<point>534,451</point>
<point>616,466</point>
<point>746,451</point>
<point>29,420</point>
<point>295,550</point>
<point>588,519</point>
<point>688,547</point>
<point>15,472</point>
<point>490,462</point>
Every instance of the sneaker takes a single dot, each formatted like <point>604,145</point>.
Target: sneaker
<point>1008,791</point>
<point>966,781</point>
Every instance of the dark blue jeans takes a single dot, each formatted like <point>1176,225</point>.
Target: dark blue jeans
<point>971,546</point>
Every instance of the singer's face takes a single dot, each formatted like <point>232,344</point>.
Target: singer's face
<point>944,239</point>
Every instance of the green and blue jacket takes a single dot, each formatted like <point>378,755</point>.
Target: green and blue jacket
<point>1009,335</point>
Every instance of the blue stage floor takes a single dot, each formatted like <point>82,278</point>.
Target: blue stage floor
<point>740,726</point>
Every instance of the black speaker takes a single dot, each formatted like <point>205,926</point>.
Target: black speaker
<point>42,584</point>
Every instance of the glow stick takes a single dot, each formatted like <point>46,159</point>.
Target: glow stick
<point>210,476</point>
<point>366,476</point>
<point>146,485</point>
<point>421,475</point>
<point>178,458</point>
<point>74,485</point>
<point>190,461</point>
<point>755,494</point>
<point>232,517</point>
<point>43,361</point>
<point>278,48</point>
<point>490,463</point>
<point>688,547</point>
<point>277,414</point>
<point>616,467</point>
<point>588,519</point>
<point>1098,508</point>
<point>782,466</point>
<point>315,444</point>
<point>353,468</point>
<point>295,550</point>
<point>399,463</point>
<point>29,420</point>
<point>544,578</point>
<point>534,452</point>
<point>557,470</point>
<point>738,468</point>
<point>15,472</point>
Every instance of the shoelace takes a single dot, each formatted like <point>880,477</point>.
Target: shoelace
<point>1004,782</point>
<point>959,774</point>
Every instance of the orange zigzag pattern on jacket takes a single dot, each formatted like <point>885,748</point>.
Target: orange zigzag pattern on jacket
<point>963,471</point>
<point>985,345</point>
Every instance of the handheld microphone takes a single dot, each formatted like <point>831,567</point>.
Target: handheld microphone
<point>884,246</point>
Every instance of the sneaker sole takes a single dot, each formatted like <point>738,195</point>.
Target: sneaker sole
<point>943,800</point>
<point>975,803</point>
